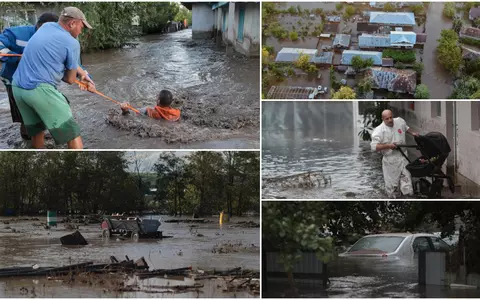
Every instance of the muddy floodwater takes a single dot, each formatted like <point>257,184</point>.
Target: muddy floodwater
<point>218,95</point>
<point>372,279</point>
<point>203,247</point>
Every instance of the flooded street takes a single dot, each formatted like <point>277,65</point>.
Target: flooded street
<point>216,93</point>
<point>196,246</point>
<point>373,279</point>
<point>318,137</point>
<point>439,82</point>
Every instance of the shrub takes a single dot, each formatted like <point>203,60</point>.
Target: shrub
<point>404,56</point>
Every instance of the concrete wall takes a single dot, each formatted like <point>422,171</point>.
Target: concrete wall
<point>203,20</point>
<point>461,130</point>
<point>250,45</point>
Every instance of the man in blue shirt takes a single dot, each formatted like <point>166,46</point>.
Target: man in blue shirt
<point>13,41</point>
<point>51,57</point>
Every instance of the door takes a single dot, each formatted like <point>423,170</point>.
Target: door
<point>241,23</point>
<point>224,25</point>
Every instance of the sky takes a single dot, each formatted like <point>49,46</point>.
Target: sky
<point>149,158</point>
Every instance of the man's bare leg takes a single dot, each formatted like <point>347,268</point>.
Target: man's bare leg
<point>76,143</point>
<point>38,141</point>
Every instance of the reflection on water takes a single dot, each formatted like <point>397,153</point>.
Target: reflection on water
<point>300,137</point>
<point>34,245</point>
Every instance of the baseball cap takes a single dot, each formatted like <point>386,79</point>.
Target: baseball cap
<point>75,13</point>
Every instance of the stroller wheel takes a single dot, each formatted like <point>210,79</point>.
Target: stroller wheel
<point>436,189</point>
<point>423,186</point>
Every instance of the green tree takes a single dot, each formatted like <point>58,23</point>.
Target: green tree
<point>465,88</point>
<point>358,63</point>
<point>449,10</point>
<point>418,9</point>
<point>389,7</point>
<point>349,12</point>
<point>422,92</point>
<point>418,67</point>
<point>339,6</point>
<point>293,36</point>
<point>449,53</point>
<point>292,10</point>
<point>372,117</point>
<point>457,25</point>
<point>345,92</point>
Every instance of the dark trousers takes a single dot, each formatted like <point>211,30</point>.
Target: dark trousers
<point>15,112</point>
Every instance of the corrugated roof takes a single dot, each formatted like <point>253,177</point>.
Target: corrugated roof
<point>470,32</point>
<point>324,58</point>
<point>403,37</point>
<point>392,18</point>
<point>474,13</point>
<point>292,54</point>
<point>373,41</point>
<point>342,40</point>
<point>393,80</point>
<point>347,56</point>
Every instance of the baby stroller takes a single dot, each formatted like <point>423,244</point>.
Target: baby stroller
<point>434,148</point>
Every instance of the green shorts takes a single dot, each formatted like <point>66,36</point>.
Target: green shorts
<point>46,108</point>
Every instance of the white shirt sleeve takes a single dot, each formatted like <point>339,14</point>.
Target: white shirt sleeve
<point>376,138</point>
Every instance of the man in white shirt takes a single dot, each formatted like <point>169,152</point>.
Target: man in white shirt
<point>384,139</point>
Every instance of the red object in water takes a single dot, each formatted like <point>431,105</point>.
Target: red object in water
<point>400,131</point>
<point>412,105</point>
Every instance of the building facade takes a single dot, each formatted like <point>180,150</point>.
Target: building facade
<point>236,24</point>
<point>459,121</point>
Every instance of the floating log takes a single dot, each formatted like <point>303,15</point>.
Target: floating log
<point>163,272</point>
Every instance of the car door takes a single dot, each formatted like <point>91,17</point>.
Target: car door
<point>420,244</point>
<point>440,245</point>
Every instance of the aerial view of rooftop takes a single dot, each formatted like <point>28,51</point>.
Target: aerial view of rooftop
<point>370,50</point>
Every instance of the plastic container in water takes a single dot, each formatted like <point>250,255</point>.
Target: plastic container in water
<point>51,218</point>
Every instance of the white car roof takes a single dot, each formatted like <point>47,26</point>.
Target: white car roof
<point>402,234</point>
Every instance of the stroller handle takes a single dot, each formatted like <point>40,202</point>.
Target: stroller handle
<point>407,146</point>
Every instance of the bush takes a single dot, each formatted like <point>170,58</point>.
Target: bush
<point>349,12</point>
<point>275,29</point>
<point>345,92</point>
<point>292,10</point>
<point>358,63</point>
<point>422,92</point>
<point>449,10</point>
<point>404,56</point>
<point>470,41</point>
<point>418,67</point>
<point>400,65</point>
<point>339,6</point>
<point>417,9</point>
<point>389,7</point>
<point>449,53</point>
<point>293,36</point>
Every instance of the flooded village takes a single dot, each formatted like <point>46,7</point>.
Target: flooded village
<point>110,224</point>
<point>369,50</point>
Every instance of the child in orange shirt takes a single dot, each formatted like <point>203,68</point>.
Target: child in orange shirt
<point>162,110</point>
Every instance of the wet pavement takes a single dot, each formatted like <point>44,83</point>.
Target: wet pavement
<point>188,247</point>
<point>217,94</point>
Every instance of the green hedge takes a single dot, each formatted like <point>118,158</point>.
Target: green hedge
<point>404,56</point>
<point>470,41</point>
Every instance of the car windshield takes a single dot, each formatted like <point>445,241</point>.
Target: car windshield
<point>384,244</point>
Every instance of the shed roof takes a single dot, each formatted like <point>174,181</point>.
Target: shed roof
<point>347,56</point>
<point>323,58</point>
<point>403,37</point>
<point>334,18</point>
<point>373,41</point>
<point>474,13</point>
<point>342,40</point>
<point>421,38</point>
<point>392,18</point>
<point>292,54</point>
<point>393,80</point>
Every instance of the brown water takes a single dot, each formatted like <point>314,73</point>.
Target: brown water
<point>35,245</point>
<point>218,95</point>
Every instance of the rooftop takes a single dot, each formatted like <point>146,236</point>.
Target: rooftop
<point>289,92</point>
<point>474,13</point>
<point>393,80</point>
<point>347,56</point>
<point>470,32</point>
<point>342,40</point>
<point>392,18</point>
<point>292,54</point>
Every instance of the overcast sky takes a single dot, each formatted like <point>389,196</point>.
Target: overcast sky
<point>149,158</point>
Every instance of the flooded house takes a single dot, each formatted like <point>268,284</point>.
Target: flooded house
<point>396,39</point>
<point>392,18</point>
<point>236,24</point>
<point>341,41</point>
<point>470,32</point>
<point>347,56</point>
<point>291,55</point>
<point>460,122</point>
<point>474,13</point>
<point>393,80</point>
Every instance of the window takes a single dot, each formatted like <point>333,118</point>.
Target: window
<point>436,109</point>
<point>475,115</point>
<point>421,244</point>
<point>375,244</point>
<point>439,244</point>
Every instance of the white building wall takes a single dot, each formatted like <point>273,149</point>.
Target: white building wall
<point>203,20</point>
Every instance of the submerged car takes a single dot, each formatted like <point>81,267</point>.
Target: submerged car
<point>396,245</point>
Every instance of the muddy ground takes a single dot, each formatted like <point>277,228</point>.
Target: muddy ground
<point>202,246</point>
<point>218,95</point>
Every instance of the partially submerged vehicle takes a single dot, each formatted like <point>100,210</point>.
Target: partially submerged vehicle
<point>133,227</point>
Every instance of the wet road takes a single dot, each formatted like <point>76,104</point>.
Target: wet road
<point>34,245</point>
<point>439,82</point>
<point>217,94</point>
